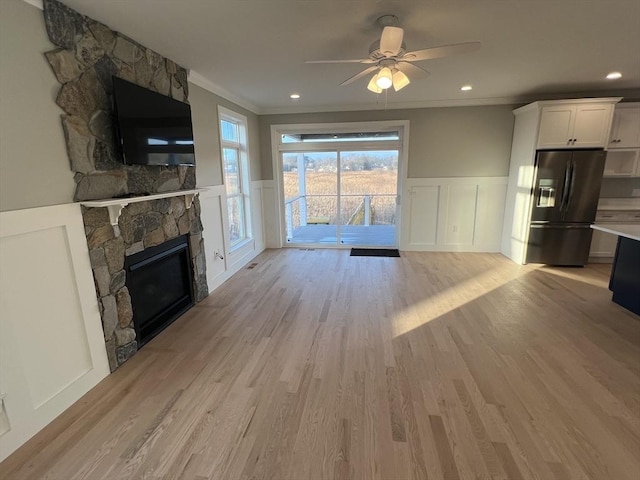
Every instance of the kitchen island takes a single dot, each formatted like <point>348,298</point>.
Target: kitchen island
<point>625,271</point>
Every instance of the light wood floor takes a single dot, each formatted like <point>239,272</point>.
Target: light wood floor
<point>317,365</point>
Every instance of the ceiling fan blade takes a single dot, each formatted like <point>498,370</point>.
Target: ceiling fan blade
<point>413,71</point>
<point>360,60</point>
<point>438,52</point>
<point>358,76</point>
<point>391,41</point>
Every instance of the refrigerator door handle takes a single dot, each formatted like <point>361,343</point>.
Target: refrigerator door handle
<point>572,176</point>
<point>565,187</point>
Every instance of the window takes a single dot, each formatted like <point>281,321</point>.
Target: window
<point>235,166</point>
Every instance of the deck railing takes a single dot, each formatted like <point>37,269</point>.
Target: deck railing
<point>377,209</point>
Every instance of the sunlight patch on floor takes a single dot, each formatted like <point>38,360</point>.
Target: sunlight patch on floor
<point>454,297</point>
<point>584,275</point>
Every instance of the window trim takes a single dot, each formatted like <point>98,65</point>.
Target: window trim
<point>401,126</point>
<point>244,177</point>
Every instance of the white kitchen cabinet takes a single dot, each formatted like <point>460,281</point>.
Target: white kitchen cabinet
<point>603,244</point>
<point>622,163</point>
<point>575,125</point>
<point>603,247</point>
<point>625,129</point>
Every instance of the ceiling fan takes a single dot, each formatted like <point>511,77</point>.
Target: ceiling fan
<point>391,61</point>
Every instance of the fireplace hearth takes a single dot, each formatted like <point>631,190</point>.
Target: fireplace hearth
<point>160,284</point>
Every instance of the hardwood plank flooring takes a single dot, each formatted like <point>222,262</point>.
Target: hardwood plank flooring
<point>318,365</point>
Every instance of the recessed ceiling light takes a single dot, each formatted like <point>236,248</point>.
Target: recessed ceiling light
<point>295,96</point>
<point>614,76</point>
<point>466,88</point>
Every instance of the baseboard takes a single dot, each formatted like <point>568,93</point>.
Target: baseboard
<point>608,260</point>
<point>237,265</point>
<point>416,247</point>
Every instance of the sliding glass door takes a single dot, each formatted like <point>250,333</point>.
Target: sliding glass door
<point>340,191</point>
<point>368,191</point>
<point>310,181</point>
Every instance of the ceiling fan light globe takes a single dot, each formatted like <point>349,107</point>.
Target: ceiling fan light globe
<point>384,79</point>
<point>373,86</point>
<point>400,80</point>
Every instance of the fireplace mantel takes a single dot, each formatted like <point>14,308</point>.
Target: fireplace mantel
<point>115,205</point>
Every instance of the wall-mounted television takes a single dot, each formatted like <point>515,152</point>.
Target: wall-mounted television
<point>152,129</point>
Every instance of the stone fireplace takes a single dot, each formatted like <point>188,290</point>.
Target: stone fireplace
<point>157,203</point>
<point>141,225</point>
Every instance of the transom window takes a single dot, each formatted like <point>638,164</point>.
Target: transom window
<point>339,137</point>
<point>235,165</point>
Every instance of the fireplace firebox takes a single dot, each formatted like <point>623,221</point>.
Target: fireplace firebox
<point>160,283</point>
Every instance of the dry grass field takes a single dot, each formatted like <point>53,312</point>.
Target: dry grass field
<point>321,190</point>
<point>363,182</point>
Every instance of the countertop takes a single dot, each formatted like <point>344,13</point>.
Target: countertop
<point>628,231</point>
<point>619,204</point>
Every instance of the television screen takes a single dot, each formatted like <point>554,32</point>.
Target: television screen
<point>153,129</point>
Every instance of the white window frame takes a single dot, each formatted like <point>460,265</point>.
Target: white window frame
<point>277,147</point>
<point>244,174</point>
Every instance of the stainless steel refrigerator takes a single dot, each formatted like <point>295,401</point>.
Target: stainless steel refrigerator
<point>565,200</point>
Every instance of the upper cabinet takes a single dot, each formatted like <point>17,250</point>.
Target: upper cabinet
<point>622,162</point>
<point>625,130</point>
<point>575,125</point>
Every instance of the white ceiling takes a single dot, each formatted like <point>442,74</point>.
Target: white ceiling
<point>253,51</point>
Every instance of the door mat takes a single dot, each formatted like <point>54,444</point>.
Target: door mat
<point>375,252</point>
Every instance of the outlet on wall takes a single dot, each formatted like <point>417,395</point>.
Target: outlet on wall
<point>635,192</point>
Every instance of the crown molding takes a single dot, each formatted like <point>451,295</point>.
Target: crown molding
<point>35,3</point>
<point>201,81</point>
<point>392,106</point>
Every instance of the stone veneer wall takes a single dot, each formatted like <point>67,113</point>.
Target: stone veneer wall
<point>89,55</point>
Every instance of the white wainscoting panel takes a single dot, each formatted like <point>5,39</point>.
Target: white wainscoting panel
<point>52,347</point>
<point>257,212</point>
<point>454,214</point>
<point>489,214</point>
<point>457,219</point>
<point>270,212</point>
<point>423,215</point>
<point>213,206</point>
<point>213,209</point>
